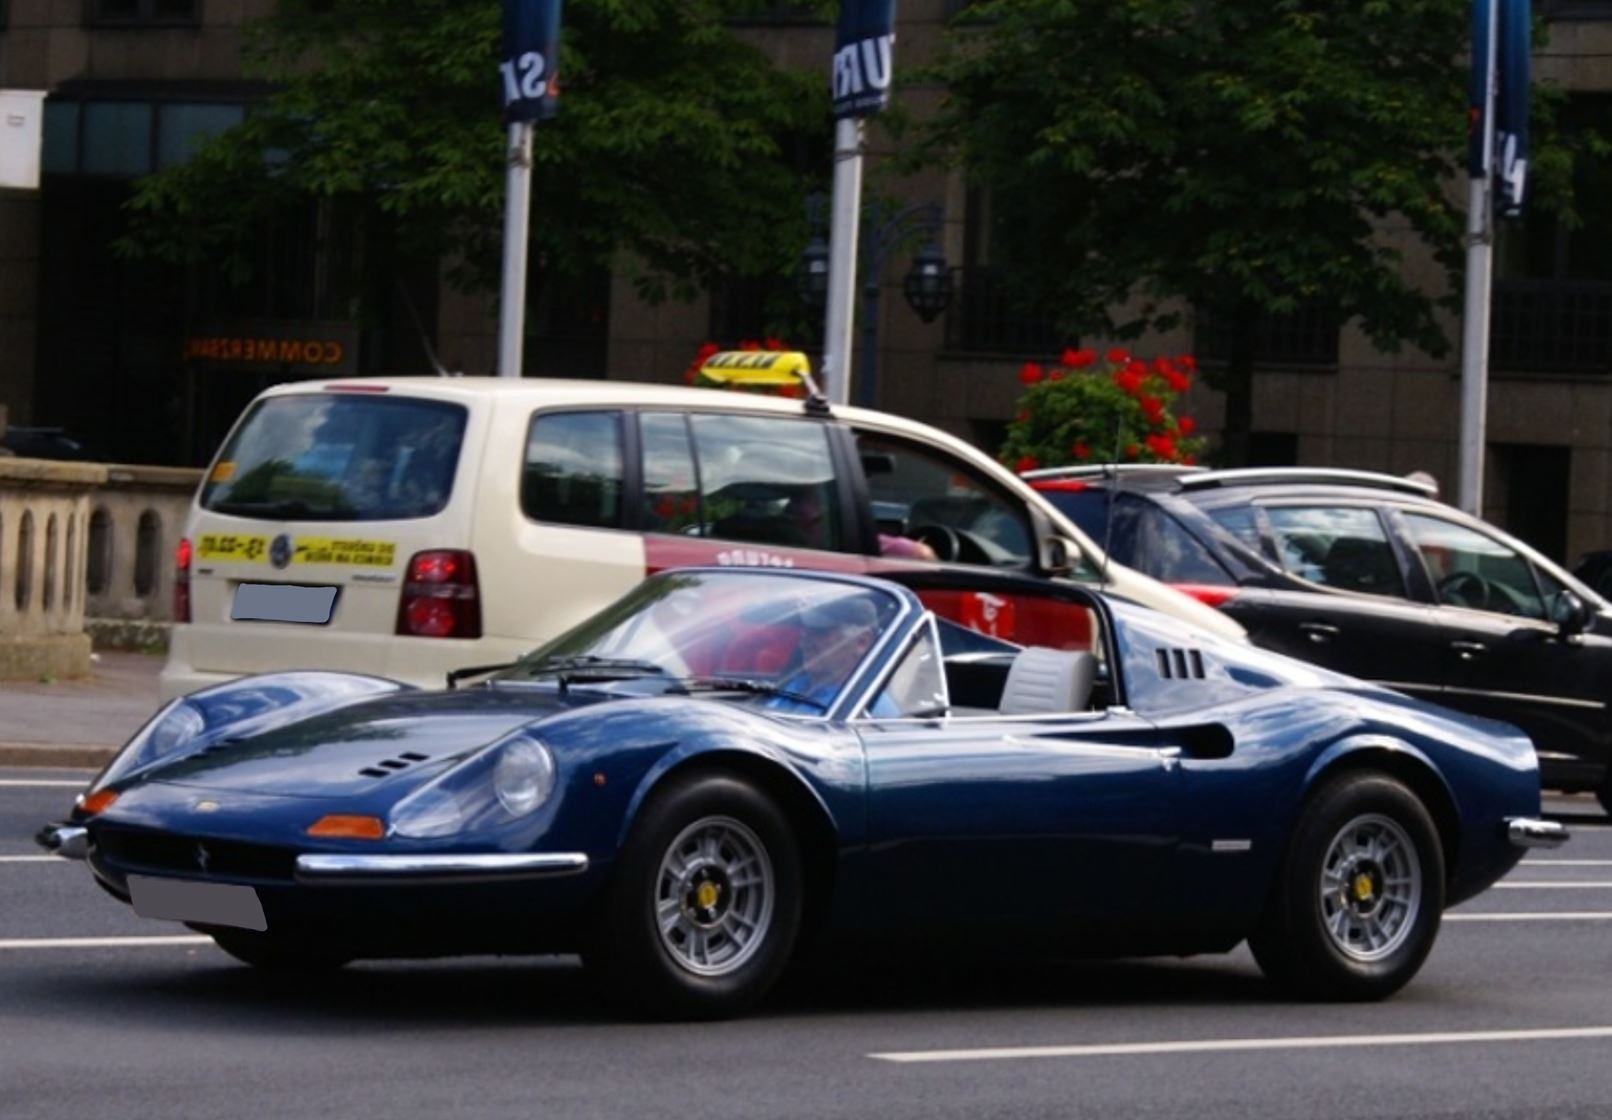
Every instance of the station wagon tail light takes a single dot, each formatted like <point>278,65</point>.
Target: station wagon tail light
<point>182,558</point>
<point>1209,594</point>
<point>441,596</point>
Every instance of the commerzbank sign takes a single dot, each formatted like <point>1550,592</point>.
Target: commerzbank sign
<point>289,347</point>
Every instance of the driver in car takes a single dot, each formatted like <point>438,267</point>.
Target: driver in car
<point>834,637</point>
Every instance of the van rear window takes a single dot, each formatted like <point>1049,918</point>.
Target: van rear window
<point>338,457</point>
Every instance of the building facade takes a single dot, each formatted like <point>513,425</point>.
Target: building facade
<point>149,363</point>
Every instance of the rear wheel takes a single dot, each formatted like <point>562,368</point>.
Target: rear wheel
<point>1604,794</point>
<point>706,902</point>
<point>270,954</point>
<point>1359,896</point>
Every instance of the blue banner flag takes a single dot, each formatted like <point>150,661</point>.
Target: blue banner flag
<point>864,57</point>
<point>1507,159</point>
<point>531,62</point>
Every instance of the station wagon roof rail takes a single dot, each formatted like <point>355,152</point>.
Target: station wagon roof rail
<point>1277,476</point>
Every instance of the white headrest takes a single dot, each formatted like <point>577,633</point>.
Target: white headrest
<point>1046,681</point>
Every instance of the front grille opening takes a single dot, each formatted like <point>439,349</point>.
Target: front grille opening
<point>224,858</point>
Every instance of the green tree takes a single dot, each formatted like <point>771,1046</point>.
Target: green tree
<point>674,151</point>
<point>1244,157</point>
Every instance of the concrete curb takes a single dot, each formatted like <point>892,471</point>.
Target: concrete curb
<point>66,755</point>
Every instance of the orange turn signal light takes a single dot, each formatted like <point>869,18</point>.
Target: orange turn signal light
<point>347,827</point>
<point>97,802</point>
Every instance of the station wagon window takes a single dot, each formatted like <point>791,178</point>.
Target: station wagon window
<point>671,490</point>
<point>918,685</point>
<point>573,470</point>
<point>1472,570</point>
<point>1241,523</point>
<point>1166,551</point>
<point>767,480</point>
<point>1336,546</point>
<point>919,494</point>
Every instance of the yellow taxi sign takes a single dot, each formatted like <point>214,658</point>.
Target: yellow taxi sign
<point>759,369</point>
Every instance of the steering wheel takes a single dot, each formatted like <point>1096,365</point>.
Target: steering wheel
<point>1465,589</point>
<point>943,539</point>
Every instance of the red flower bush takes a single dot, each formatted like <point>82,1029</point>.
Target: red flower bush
<point>1089,408</point>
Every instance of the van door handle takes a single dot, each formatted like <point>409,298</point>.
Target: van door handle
<point>1467,651</point>
<point>1318,632</point>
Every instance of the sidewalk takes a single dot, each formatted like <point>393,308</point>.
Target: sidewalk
<point>78,723</point>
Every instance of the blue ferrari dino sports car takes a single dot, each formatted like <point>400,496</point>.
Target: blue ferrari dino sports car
<point>729,765</point>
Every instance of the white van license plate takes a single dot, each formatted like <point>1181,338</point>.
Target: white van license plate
<point>280,602</point>
<point>211,904</point>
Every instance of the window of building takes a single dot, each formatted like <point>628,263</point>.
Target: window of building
<point>143,12</point>
<point>128,138</point>
<point>574,471</point>
<point>1336,546</point>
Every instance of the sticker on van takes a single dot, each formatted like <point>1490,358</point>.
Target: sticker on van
<point>248,549</point>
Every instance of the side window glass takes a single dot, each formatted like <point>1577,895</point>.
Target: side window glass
<point>671,498</point>
<point>1470,569</point>
<point>933,507</point>
<point>573,469</point>
<point>1336,546</point>
<point>918,686</point>
<point>1166,551</point>
<point>1241,523</point>
<point>768,480</point>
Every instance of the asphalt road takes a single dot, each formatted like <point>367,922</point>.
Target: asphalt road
<point>176,1029</point>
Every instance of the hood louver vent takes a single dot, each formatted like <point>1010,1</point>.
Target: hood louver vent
<point>389,766</point>
<point>1179,664</point>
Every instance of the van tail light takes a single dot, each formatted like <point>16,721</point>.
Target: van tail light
<point>441,597</point>
<point>1209,594</point>
<point>182,558</point>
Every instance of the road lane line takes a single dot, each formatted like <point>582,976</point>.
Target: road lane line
<point>1563,885</point>
<point>98,942</point>
<point>1566,863</point>
<point>1241,1045</point>
<point>33,859</point>
<point>40,783</point>
<point>1563,916</point>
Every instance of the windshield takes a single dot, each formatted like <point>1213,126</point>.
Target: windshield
<point>338,457</point>
<point>800,640</point>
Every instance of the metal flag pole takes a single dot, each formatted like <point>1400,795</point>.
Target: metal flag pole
<point>517,225</point>
<point>845,224</point>
<point>1479,260</point>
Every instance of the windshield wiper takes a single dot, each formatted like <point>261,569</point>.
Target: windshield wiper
<point>750,685</point>
<point>592,667</point>
<point>457,675</point>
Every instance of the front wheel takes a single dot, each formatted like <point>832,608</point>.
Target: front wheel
<point>1359,896</point>
<point>706,902</point>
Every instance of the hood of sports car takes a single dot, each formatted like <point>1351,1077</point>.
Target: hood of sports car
<point>397,740</point>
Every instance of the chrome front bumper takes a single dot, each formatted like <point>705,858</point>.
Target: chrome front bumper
<point>322,868</point>
<point>1526,832</point>
<point>70,841</point>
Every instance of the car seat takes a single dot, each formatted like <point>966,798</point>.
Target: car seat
<point>1045,681</point>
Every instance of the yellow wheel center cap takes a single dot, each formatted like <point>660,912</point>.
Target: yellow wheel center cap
<point>1363,887</point>
<point>706,894</point>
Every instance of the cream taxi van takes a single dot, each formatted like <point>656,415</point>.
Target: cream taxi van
<point>407,527</point>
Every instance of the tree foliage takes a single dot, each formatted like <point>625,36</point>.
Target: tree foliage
<point>675,141</point>
<point>1245,157</point>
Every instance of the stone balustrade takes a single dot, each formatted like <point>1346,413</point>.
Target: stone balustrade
<point>82,540</point>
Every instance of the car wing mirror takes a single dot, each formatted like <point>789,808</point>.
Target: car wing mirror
<point>1571,614</point>
<point>1059,555</point>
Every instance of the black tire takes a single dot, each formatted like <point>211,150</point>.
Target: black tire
<point>653,973</point>
<point>1604,795</point>
<point>264,952</point>
<point>1363,944</point>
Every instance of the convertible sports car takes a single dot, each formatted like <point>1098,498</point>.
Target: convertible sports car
<point>730,765</point>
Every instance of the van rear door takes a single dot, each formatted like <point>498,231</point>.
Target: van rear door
<point>305,527</point>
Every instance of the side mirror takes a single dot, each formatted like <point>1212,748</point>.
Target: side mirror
<point>1571,614</point>
<point>1059,555</point>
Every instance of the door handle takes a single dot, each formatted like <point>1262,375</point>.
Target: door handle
<point>1318,632</point>
<point>1467,651</point>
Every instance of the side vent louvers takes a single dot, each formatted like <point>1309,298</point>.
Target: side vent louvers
<point>1179,664</point>
<point>388,766</point>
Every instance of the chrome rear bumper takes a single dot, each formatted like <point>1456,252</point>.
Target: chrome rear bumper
<point>1525,832</point>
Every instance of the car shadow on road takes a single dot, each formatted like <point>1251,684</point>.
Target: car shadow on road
<point>493,993</point>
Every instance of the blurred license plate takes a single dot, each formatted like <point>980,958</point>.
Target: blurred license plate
<point>213,904</point>
<point>280,602</point>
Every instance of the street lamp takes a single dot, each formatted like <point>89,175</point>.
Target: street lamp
<point>927,285</point>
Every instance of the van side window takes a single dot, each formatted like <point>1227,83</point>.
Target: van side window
<point>921,494</point>
<point>671,492</point>
<point>573,470</point>
<point>768,480</point>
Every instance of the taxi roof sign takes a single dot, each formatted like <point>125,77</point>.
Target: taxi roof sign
<point>757,368</point>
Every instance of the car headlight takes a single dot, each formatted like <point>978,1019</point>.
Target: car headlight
<point>170,731</point>
<point>511,779</point>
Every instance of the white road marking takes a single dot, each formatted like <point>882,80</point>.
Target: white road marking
<point>99,942</point>
<point>1566,863</point>
<point>1565,884</point>
<point>1564,916</point>
<point>1241,1045</point>
<point>41,783</point>
<point>33,859</point>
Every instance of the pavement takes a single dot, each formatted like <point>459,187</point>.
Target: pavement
<point>78,722</point>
